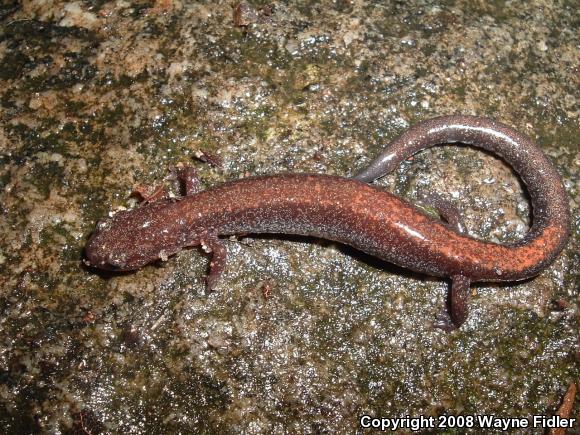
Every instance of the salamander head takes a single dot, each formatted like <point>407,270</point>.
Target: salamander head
<point>130,240</point>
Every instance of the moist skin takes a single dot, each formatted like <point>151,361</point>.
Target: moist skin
<point>356,213</point>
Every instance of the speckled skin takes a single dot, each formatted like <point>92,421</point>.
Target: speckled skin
<point>353,212</point>
<point>551,213</point>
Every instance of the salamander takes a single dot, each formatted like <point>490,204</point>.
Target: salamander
<point>354,212</point>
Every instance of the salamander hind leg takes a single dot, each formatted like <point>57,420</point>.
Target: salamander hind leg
<point>459,299</point>
<point>447,211</point>
<point>457,304</point>
<point>214,246</point>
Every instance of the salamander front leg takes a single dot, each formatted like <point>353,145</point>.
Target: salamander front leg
<point>187,176</point>
<point>149,194</point>
<point>214,246</point>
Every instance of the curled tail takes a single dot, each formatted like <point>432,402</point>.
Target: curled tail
<point>550,214</point>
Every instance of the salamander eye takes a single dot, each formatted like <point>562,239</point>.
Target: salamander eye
<point>103,224</point>
<point>117,261</point>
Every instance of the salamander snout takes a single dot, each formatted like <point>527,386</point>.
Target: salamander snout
<point>107,261</point>
<point>99,252</point>
<point>126,241</point>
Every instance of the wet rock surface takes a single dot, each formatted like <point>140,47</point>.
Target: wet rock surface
<point>301,335</point>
